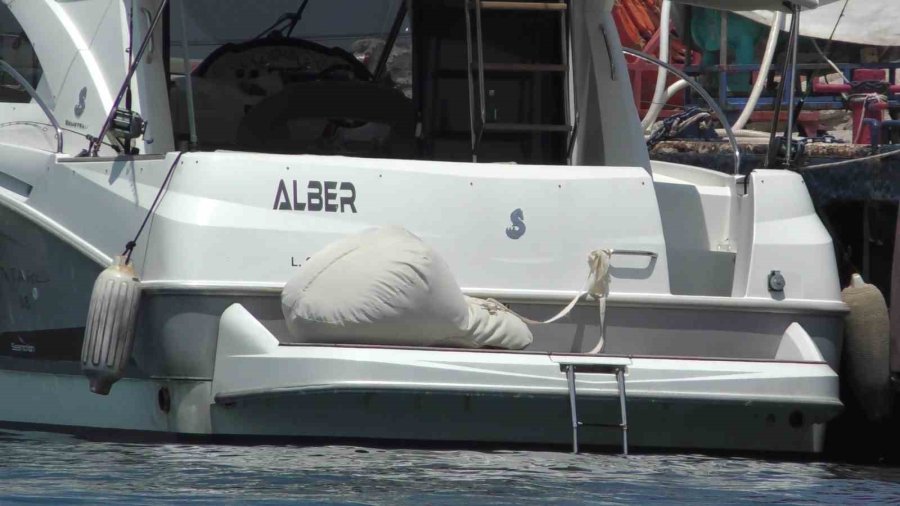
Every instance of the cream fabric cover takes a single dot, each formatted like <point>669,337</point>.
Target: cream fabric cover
<point>386,286</point>
<point>491,329</point>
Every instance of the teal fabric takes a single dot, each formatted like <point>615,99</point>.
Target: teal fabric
<point>743,35</point>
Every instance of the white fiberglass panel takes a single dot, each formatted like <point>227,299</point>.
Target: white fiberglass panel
<point>789,237</point>
<point>241,217</point>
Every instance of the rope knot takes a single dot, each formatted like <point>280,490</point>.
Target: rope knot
<point>598,279</point>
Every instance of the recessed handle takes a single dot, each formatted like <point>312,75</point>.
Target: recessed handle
<point>633,252</point>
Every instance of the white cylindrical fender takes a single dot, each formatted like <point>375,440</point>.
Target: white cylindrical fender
<point>109,333</point>
<point>867,348</point>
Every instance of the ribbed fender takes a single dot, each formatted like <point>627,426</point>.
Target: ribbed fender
<point>867,348</point>
<point>109,332</point>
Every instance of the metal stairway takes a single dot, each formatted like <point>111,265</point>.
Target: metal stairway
<point>586,365</point>
<point>479,122</point>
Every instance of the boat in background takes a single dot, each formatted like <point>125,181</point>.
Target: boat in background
<point>870,23</point>
<point>722,325</point>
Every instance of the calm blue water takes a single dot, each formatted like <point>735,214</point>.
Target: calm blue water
<point>50,468</point>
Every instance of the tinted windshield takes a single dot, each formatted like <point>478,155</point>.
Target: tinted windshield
<point>16,50</point>
<point>346,24</point>
<point>313,77</point>
<point>291,75</point>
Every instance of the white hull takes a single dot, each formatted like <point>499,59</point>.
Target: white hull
<point>703,371</point>
<point>397,393</point>
<point>261,388</point>
<point>668,407</point>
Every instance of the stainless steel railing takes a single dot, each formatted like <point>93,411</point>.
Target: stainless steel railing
<point>704,94</point>
<point>6,67</point>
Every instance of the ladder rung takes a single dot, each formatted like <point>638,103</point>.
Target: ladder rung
<point>525,127</point>
<point>594,368</point>
<point>524,6</point>
<point>495,76</point>
<point>525,67</point>
<point>602,425</point>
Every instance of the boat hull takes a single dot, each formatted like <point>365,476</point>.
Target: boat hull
<point>184,381</point>
<point>716,406</point>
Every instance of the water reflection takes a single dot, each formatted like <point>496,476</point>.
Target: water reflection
<point>56,468</point>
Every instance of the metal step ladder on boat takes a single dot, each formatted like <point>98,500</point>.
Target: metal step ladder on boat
<point>478,121</point>
<point>573,365</point>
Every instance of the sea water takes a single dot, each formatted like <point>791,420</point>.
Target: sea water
<point>60,469</point>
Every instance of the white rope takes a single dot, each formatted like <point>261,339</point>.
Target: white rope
<point>596,286</point>
<point>852,160</point>
<point>828,61</point>
<point>657,103</point>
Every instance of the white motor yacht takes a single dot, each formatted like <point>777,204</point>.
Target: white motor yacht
<point>220,144</point>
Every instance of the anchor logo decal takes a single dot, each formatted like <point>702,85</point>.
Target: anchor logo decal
<point>517,229</point>
<point>79,107</point>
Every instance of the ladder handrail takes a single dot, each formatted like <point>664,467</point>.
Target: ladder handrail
<point>479,38</point>
<point>618,370</point>
<point>476,65</point>
<point>469,71</point>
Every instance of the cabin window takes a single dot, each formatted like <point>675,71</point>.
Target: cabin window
<point>16,50</point>
<point>380,78</point>
<point>292,76</point>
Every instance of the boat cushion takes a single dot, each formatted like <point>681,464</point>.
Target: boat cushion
<point>385,286</point>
